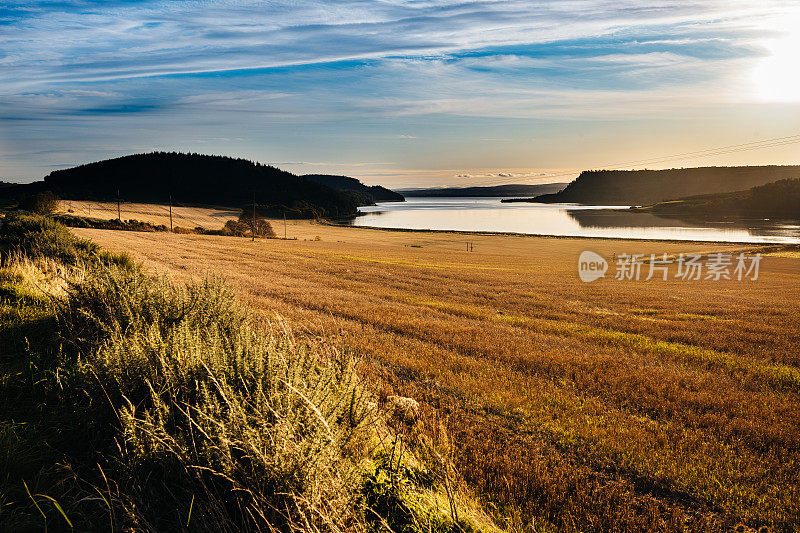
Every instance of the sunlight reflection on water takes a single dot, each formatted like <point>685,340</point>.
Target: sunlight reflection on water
<point>488,214</point>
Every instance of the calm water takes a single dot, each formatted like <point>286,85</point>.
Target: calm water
<point>488,214</point>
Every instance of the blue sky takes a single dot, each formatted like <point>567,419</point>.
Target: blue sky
<point>403,93</point>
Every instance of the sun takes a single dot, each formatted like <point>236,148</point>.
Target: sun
<point>777,76</point>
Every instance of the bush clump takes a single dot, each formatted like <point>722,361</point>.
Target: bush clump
<point>115,224</point>
<point>244,226</point>
<point>41,203</point>
<point>37,236</point>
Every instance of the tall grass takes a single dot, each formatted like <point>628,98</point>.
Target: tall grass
<point>244,421</point>
<point>35,236</point>
<point>156,407</point>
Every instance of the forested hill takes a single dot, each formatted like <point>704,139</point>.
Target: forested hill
<point>374,193</point>
<point>780,199</point>
<point>197,179</point>
<point>645,187</point>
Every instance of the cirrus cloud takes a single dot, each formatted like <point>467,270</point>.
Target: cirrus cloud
<point>335,81</point>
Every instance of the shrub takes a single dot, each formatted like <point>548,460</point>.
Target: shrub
<point>235,228</point>
<point>244,226</point>
<point>38,236</point>
<point>42,203</point>
<point>115,224</point>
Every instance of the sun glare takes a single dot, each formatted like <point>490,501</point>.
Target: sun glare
<point>777,77</point>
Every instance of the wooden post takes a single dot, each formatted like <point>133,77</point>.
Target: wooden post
<point>284,225</point>
<point>170,213</point>
<point>119,215</point>
<point>254,215</point>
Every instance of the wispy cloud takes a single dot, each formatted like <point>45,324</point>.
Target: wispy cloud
<point>336,81</point>
<point>87,41</point>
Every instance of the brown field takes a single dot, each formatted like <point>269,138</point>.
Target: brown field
<point>184,217</point>
<point>611,406</point>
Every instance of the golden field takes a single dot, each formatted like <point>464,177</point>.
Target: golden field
<point>184,217</point>
<point>610,406</point>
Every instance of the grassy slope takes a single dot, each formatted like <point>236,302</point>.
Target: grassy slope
<point>185,217</point>
<point>127,402</point>
<point>609,406</point>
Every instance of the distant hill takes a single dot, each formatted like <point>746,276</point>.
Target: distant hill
<point>493,191</point>
<point>646,187</point>
<point>196,179</point>
<point>780,199</point>
<point>372,194</point>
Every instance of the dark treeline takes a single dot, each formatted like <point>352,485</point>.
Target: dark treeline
<point>487,191</point>
<point>780,199</point>
<point>646,187</point>
<point>370,194</point>
<point>7,199</point>
<point>196,179</point>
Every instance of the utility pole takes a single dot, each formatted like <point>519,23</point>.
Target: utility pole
<point>119,215</point>
<point>170,213</point>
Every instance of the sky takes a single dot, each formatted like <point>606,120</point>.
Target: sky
<point>403,93</point>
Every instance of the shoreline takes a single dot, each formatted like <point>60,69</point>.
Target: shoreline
<point>215,217</point>
<point>779,245</point>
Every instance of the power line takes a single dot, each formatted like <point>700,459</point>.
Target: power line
<point>723,150</point>
<point>756,145</point>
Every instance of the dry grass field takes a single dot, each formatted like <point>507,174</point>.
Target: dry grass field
<point>185,217</point>
<point>610,406</point>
